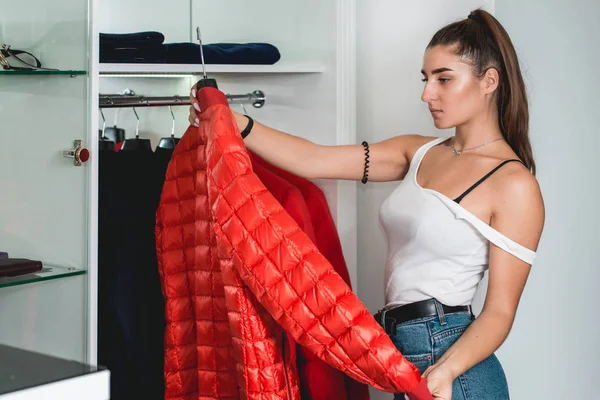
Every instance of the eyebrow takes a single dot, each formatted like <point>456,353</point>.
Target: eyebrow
<point>437,71</point>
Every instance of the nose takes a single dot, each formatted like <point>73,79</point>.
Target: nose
<point>428,93</point>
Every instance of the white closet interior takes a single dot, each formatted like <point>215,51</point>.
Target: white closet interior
<point>49,205</point>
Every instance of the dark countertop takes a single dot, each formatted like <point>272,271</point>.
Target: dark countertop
<point>22,369</point>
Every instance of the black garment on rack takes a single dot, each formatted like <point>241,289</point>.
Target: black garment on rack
<point>131,319</point>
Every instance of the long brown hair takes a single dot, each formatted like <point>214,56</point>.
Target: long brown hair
<point>483,41</point>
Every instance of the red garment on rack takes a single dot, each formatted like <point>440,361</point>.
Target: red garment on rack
<point>239,275</point>
<point>328,243</point>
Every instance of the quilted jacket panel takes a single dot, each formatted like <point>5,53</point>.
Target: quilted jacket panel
<point>220,343</point>
<point>197,334</point>
<point>317,379</point>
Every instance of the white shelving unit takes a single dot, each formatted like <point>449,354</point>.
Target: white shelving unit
<point>196,69</point>
<point>45,203</point>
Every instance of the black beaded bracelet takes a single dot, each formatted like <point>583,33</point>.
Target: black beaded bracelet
<point>365,177</point>
<point>248,127</point>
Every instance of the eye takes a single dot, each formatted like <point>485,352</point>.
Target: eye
<point>443,80</point>
<point>424,80</point>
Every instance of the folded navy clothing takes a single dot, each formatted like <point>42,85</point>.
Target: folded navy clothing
<point>3,255</point>
<point>147,38</point>
<point>189,53</point>
<point>223,53</point>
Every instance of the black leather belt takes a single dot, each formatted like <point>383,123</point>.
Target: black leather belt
<point>420,309</point>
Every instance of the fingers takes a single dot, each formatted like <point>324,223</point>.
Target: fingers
<point>193,118</point>
<point>427,371</point>
<point>194,109</point>
<point>194,100</point>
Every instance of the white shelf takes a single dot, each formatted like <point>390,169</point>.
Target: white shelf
<point>196,69</point>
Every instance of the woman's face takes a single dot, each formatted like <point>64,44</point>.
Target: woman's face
<point>452,91</point>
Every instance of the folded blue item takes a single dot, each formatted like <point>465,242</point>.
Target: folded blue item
<point>3,255</point>
<point>222,53</point>
<point>114,40</point>
<point>189,53</point>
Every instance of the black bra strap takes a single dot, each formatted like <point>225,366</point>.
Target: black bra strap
<point>469,190</point>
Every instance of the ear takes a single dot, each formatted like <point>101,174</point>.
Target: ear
<point>490,80</point>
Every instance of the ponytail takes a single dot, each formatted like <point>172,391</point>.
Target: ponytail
<point>483,40</point>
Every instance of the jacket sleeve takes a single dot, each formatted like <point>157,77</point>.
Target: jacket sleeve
<point>318,380</point>
<point>291,279</point>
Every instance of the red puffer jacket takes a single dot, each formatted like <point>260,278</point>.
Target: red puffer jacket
<point>236,270</point>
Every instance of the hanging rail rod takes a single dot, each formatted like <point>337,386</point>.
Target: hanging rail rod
<point>130,99</point>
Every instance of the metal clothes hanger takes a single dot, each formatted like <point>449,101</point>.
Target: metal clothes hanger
<point>104,144</point>
<point>137,144</point>
<point>205,81</point>
<point>169,142</point>
<point>113,133</point>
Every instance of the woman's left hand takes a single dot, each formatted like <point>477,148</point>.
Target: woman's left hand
<point>439,382</point>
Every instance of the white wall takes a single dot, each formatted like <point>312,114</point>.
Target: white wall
<point>554,341</point>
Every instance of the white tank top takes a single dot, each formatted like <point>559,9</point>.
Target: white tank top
<point>436,248</point>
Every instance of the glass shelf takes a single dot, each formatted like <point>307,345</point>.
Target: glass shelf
<point>61,72</point>
<point>48,272</point>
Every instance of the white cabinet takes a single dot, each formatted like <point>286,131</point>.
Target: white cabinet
<point>44,198</point>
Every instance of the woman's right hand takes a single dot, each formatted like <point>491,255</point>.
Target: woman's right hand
<point>194,109</point>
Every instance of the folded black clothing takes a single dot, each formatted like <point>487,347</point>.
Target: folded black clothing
<point>189,53</point>
<point>135,55</point>
<point>147,38</point>
<point>19,266</point>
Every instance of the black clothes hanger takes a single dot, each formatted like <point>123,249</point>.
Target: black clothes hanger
<point>169,142</point>
<point>104,144</point>
<point>137,144</point>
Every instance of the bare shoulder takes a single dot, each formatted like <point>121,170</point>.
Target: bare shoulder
<point>515,184</point>
<point>389,159</point>
<point>409,144</point>
<point>518,203</point>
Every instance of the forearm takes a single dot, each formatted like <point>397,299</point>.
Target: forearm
<point>285,151</point>
<point>478,342</point>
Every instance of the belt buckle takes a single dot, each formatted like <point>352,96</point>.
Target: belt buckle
<point>377,317</point>
<point>387,323</point>
<point>390,328</point>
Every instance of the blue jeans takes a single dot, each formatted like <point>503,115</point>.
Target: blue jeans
<point>423,341</point>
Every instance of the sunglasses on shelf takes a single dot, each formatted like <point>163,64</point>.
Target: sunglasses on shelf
<point>8,56</point>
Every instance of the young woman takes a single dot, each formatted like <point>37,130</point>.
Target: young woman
<point>465,204</point>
